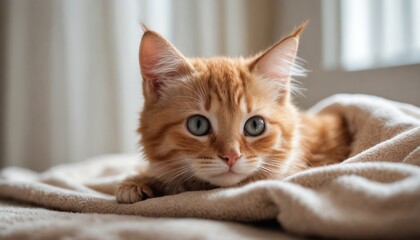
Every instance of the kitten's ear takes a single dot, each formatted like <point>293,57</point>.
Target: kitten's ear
<point>161,63</point>
<point>278,62</point>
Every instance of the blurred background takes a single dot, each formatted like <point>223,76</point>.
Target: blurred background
<point>70,86</point>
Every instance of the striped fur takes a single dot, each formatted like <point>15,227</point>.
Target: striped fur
<point>227,92</point>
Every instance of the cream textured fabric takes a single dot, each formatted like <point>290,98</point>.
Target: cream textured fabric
<point>373,194</point>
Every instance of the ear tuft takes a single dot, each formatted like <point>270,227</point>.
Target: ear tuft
<point>298,31</point>
<point>144,27</point>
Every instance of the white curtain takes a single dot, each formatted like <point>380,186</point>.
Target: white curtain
<point>364,34</point>
<point>72,83</point>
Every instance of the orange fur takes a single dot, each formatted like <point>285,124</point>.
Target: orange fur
<point>227,92</point>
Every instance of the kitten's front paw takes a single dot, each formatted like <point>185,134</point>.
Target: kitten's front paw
<point>132,191</point>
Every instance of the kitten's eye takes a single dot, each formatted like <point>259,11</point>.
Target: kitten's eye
<point>254,126</point>
<point>198,125</point>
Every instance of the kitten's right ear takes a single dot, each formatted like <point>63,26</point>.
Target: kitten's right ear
<point>161,63</point>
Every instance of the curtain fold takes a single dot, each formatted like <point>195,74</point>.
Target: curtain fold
<point>368,34</point>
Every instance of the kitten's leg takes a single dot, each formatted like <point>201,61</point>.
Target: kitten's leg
<point>137,188</point>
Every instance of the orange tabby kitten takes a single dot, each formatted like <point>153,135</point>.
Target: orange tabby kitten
<point>222,122</point>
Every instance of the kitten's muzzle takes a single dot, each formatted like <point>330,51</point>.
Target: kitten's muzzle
<point>230,158</point>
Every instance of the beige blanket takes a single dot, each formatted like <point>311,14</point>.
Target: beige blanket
<point>373,194</point>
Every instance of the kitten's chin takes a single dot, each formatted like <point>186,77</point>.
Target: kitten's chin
<point>226,179</point>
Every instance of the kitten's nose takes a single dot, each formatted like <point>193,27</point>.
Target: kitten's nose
<point>230,158</point>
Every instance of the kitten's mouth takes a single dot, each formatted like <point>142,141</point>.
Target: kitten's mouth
<point>226,174</point>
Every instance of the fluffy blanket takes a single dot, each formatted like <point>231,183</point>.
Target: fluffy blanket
<point>375,193</point>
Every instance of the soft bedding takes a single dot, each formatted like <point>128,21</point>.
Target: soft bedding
<point>375,193</point>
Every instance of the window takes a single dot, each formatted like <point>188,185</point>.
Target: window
<point>364,34</point>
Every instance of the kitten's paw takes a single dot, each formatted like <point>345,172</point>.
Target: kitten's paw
<point>131,192</point>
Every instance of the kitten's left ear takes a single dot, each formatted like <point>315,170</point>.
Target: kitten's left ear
<point>161,64</point>
<point>277,62</point>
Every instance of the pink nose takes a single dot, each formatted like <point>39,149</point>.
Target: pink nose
<point>230,158</point>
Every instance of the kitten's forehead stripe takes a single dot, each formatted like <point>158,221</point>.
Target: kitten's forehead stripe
<point>215,89</point>
<point>208,97</point>
<point>207,105</point>
<point>239,97</point>
<point>248,101</point>
<point>226,83</point>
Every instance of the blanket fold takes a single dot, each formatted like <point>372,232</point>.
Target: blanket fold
<point>375,193</point>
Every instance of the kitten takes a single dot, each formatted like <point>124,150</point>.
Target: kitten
<point>222,122</point>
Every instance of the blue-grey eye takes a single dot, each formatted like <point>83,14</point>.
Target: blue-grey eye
<point>254,126</point>
<point>198,125</point>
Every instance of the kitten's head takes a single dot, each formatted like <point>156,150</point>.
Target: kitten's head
<point>218,120</point>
